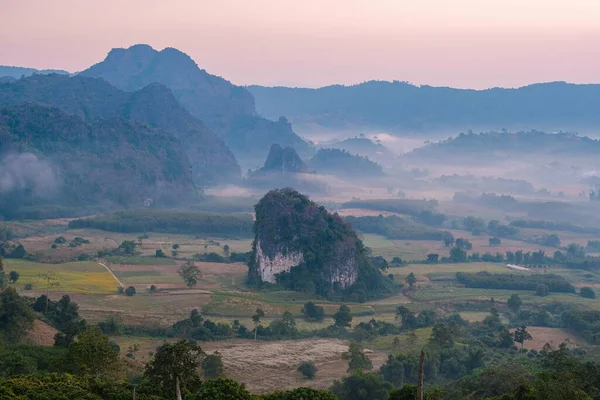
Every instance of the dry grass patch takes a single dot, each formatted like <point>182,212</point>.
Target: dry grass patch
<point>74,277</point>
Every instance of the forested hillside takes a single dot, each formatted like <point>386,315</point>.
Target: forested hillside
<point>94,99</point>
<point>50,157</point>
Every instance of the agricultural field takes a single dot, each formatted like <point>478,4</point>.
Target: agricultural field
<point>86,277</point>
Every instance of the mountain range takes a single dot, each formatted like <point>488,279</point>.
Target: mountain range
<point>227,109</point>
<point>400,107</point>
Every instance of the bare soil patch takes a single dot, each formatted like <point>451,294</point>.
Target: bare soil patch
<point>553,336</point>
<point>41,334</point>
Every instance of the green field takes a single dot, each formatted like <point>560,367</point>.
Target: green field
<point>76,277</point>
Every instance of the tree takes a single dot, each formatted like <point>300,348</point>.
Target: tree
<point>226,250</point>
<point>411,280</point>
<point>13,276</point>
<point>189,273</point>
<point>127,247</point>
<point>587,292</point>
<point>458,255</point>
<point>443,335</point>
<point>308,369</point>
<point>551,241</point>
<point>222,389</point>
<point>16,317</point>
<point>258,315</point>
<point>408,319</point>
<point>397,261</point>
<point>51,280</point>
<point>174,367</point>
<point>130,291</point>
<point>448,240</point>
<point>521,335</point>
<point>134,348</point>
<point>463,244</point>
<point>494,241</point>
<point>212,366</point>
<point>541,290</point>
<point>313,312</point>
<point>433,258</point>
<point>342,317</point>
<point>362,386</point>
<point>514,303</point>
<point>160,253</point>
<point>357,359</point>
<point>93,352</point>
<point>175,246</point>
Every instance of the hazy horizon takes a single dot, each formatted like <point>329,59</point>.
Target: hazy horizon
<point>463,44</point>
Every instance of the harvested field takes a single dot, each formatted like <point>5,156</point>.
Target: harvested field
<point>41,334</point>
<point>553,336</point>
<point>267,366</point>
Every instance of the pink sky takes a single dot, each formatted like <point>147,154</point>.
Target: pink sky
<point>461,43</point>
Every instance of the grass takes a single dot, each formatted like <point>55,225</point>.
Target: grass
<point>386,343</point>
<point>75,277</point>
<point>138,260</point>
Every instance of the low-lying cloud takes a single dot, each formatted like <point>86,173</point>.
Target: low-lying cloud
<point>26,171</point>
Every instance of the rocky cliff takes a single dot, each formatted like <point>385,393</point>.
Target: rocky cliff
<point>302,246</point>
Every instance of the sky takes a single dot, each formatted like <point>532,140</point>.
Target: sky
<point>312,43</point>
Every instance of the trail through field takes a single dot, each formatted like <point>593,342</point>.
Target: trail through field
<point>112,274</point>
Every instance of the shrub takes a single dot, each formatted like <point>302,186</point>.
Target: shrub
<point>587,292</point>
<point>130,291</point>
<point>28,286</point>
<point>308,369</point>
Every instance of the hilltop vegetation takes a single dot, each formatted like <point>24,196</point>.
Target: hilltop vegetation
<point>95,100</point>
<point>508,144</point>
<point>53,158</point>
<point>342,163</point>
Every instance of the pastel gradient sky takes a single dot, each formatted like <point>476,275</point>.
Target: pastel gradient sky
<point>460,43</point>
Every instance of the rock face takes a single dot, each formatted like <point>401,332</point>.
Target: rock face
<point>284,160</point>
<point>302,246</point>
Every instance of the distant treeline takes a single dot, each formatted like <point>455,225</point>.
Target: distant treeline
<point>396,228</point>
<point>400,206</point>
<point>555,283</point>
<point>183,222</point>
<point>553,226</point>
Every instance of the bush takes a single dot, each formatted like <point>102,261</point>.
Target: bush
<point>28,286</point>
<point>130,291</point>
<point>308,369</point>
<point>587,292</point>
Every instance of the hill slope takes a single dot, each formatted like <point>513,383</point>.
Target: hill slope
<point>18,72</point>
<point>399,106</point>
<point>224,107</point>
<point>342,163</point>
<point>50,157</point>
<point>94,99</point>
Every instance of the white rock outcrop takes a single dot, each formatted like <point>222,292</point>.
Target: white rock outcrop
<point>270,266</point>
